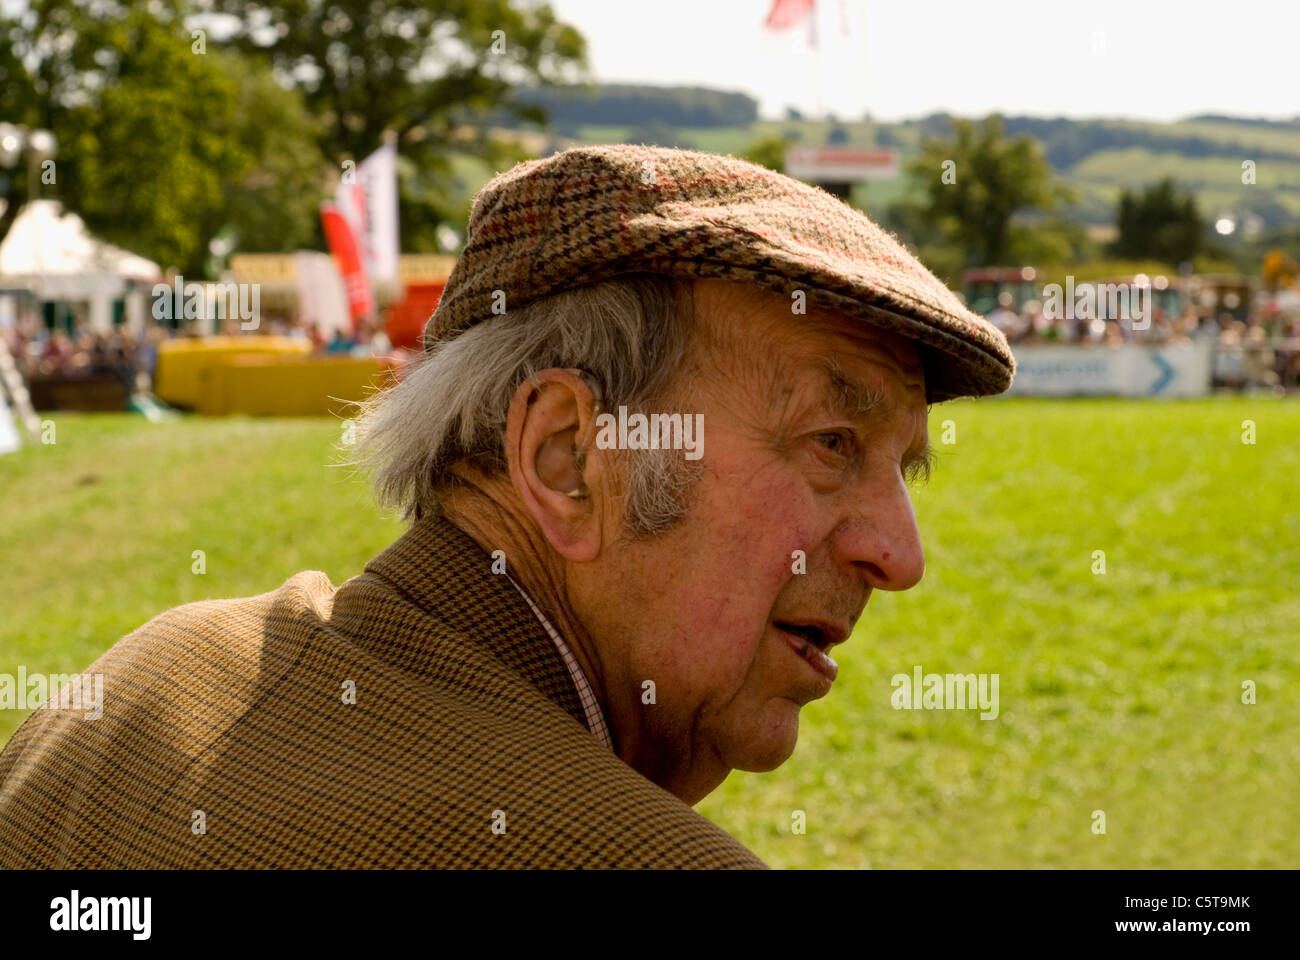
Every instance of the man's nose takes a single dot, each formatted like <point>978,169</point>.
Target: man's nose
<point>879,538</point>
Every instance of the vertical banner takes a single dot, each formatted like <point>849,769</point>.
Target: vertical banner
<point>343,244</point>
<point>322,296</point>
<point>369,205</point>
<point>377,176</point>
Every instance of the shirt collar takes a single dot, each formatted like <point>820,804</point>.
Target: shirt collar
<point>590,705</point>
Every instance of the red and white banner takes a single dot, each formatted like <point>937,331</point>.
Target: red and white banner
<point>367,200</point>
<point>343,244</point>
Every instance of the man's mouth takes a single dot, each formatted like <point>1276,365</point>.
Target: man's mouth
<point>811,642</point>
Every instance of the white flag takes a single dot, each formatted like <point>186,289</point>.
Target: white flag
<point>322,299</point>
<point>370,207</point>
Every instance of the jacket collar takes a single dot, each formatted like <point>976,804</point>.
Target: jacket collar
<point>442,570</point>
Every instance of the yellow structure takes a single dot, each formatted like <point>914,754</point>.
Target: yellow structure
<point>262,376</point>
<point>287,386</point>
<point>183,363</point>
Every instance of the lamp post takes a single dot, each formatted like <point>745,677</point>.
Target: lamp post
<point>41,146</point>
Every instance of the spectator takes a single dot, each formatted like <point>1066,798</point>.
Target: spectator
<point>56,357</point>
<point>1004,317</point>
<point>340,343</point>
<point>1210,329</point>
<point>1160,331</point>
<point>1259,359</point>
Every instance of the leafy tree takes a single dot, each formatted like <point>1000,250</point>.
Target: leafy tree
<point>972,183</point>
<point>1279,270</point>
<point>1160,222</point>
<point>429,71</point>
<point>160,146</point>
<point>768,152</point>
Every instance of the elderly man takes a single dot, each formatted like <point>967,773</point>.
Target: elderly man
<point>655,463</point>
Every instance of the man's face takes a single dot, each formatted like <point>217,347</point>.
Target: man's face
<point>810,424</point>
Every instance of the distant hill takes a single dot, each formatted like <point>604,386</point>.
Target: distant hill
<point>1095,157</point>
<point>634,105</point>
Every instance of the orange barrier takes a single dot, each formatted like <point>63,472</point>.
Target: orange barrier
<point>182,363</point>
<point>287,386</point>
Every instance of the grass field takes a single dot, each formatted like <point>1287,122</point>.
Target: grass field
<point>1119,692</point>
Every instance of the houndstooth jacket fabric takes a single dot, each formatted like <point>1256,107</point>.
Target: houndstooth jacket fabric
<point>227,739</point>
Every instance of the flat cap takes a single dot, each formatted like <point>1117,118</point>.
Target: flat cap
<point>592,213</point>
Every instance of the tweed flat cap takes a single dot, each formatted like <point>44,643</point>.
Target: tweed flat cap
<point>593,213</point>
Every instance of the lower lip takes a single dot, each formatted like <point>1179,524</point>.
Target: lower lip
<point>810,655</point>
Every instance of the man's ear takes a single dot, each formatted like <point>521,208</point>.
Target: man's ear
<point>550,426</point>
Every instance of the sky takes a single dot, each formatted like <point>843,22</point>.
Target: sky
<point>1140,59</point>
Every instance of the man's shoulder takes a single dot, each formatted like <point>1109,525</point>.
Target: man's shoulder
<point>305,597</point>
<point>210,660</point>
<point>216,650</point>
<point>281,731</point>
<point>167,693</point>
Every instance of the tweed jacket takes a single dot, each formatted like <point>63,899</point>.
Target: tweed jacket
<point>415,716</point>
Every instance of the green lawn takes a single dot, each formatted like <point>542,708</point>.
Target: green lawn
<point>1118,692</point>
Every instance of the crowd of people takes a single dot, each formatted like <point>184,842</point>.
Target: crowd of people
<point>42,353</point>
<point>1262,350</point>
<point>132,357</point>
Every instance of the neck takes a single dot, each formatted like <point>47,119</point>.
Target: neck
<point>482,507</point>
<point>486,509</point>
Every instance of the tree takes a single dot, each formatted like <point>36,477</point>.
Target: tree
<point>972,184</point>
<point>1279,270</point>
<point>768,152</point>
<point>1161,223</point>
<point>429,71</point>
<point>161,146</point>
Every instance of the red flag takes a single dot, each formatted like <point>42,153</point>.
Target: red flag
<point>788,13</point>
<point>343,244</point>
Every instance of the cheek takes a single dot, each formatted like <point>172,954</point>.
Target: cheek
<point>741,545</point>
<point>757,525</point>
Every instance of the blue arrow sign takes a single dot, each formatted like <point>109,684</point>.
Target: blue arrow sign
<point>1166,372</point>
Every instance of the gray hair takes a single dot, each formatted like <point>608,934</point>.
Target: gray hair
<point>629,334</point>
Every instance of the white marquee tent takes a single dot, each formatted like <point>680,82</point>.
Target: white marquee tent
<point>52,255</point>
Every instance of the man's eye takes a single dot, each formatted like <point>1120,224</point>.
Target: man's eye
<point>837,442</point>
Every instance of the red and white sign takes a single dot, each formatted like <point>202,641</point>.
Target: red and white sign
<point>343,244</point>
<point>835,164</point>
<point>369,204</point>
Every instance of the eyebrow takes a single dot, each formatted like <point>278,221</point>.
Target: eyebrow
<point>855,400</point>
